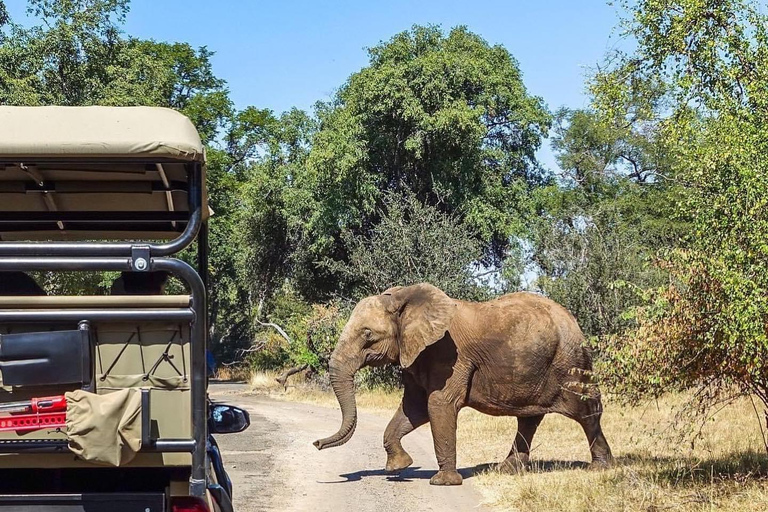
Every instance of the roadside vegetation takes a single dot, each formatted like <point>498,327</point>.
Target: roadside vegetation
<point>652,230</point>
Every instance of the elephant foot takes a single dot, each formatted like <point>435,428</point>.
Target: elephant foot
<point>601,464</point>
<point>446,478</point>
<point>398,461</point>
<point>511,466</point>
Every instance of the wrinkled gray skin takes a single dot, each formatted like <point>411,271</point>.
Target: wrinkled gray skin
<point>519,355</point>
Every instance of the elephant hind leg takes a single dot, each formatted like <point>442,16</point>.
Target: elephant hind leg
<point>520,455</point>
<point>589,419</point>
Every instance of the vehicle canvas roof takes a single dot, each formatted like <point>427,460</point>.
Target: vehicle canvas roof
<point>98,132</point>
<point>72,162</point>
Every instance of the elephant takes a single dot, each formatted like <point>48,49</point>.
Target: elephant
<point>520,355</point>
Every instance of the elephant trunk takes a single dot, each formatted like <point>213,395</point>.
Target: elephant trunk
<point>342,380</point>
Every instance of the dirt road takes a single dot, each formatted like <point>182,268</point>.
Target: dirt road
<point>274,466</point>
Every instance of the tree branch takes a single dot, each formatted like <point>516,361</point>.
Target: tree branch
<point>271,324</point>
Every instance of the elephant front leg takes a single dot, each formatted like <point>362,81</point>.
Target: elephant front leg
<point>442,419</point>
<point>401,424</point>
<point>411,414</point>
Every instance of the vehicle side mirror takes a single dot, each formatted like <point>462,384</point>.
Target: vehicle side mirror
<point>227,419</point>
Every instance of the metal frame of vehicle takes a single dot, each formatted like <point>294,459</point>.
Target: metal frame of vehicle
<point>134,257</point>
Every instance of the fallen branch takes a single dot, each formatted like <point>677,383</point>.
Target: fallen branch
<point>283,379</point>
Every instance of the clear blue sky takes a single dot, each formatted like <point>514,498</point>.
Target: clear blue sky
<point>290,53</point>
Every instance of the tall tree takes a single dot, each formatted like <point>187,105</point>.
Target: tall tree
<point>598,228</point>
<point>446,116</point>
<point>706,328</point>
<point>80,56</point>
<point>4,18</point>
<point>276,200</point>
<point>412,243</point>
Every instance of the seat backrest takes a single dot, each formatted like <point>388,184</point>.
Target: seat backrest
<point>149,355</point>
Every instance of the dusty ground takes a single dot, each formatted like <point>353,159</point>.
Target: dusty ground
<point>723,469</point>
<point>274,466</point>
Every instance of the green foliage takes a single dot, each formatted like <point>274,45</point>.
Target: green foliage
<point>76,283</point>
<point>79,55</point>
<point>591,146</point>
<point>598,229</point>
<point>184,81</point>
<point>4,18</point>
<point>446,117</point>
<point>593,251</point>
<point>316,335</point>
<point>706,327</point>
<point>72,58</point>
<point>275,200</point>
<point>313,331</point>
<point>412,243</point>
<point>388,377</point>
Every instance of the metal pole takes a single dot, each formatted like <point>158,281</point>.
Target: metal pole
<point>199,336</point>
<point>202,254</point>
<point>31,263</point>
<point>96,315</point>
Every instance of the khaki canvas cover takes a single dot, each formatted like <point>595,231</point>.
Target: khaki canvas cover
<point>104,429</point>
<point>128,160</point>
<point>97,132</point>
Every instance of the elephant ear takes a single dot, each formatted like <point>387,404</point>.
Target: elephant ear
<point>424,314</point>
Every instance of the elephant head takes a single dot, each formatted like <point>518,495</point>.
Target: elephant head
<point>394,326</point>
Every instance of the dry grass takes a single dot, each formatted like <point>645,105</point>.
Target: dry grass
<point>725,470</point>
<point>232,374</point>
<point>265,382</point>
<point>377,401</point>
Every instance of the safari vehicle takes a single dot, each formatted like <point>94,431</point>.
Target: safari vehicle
<point>103,399</point>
